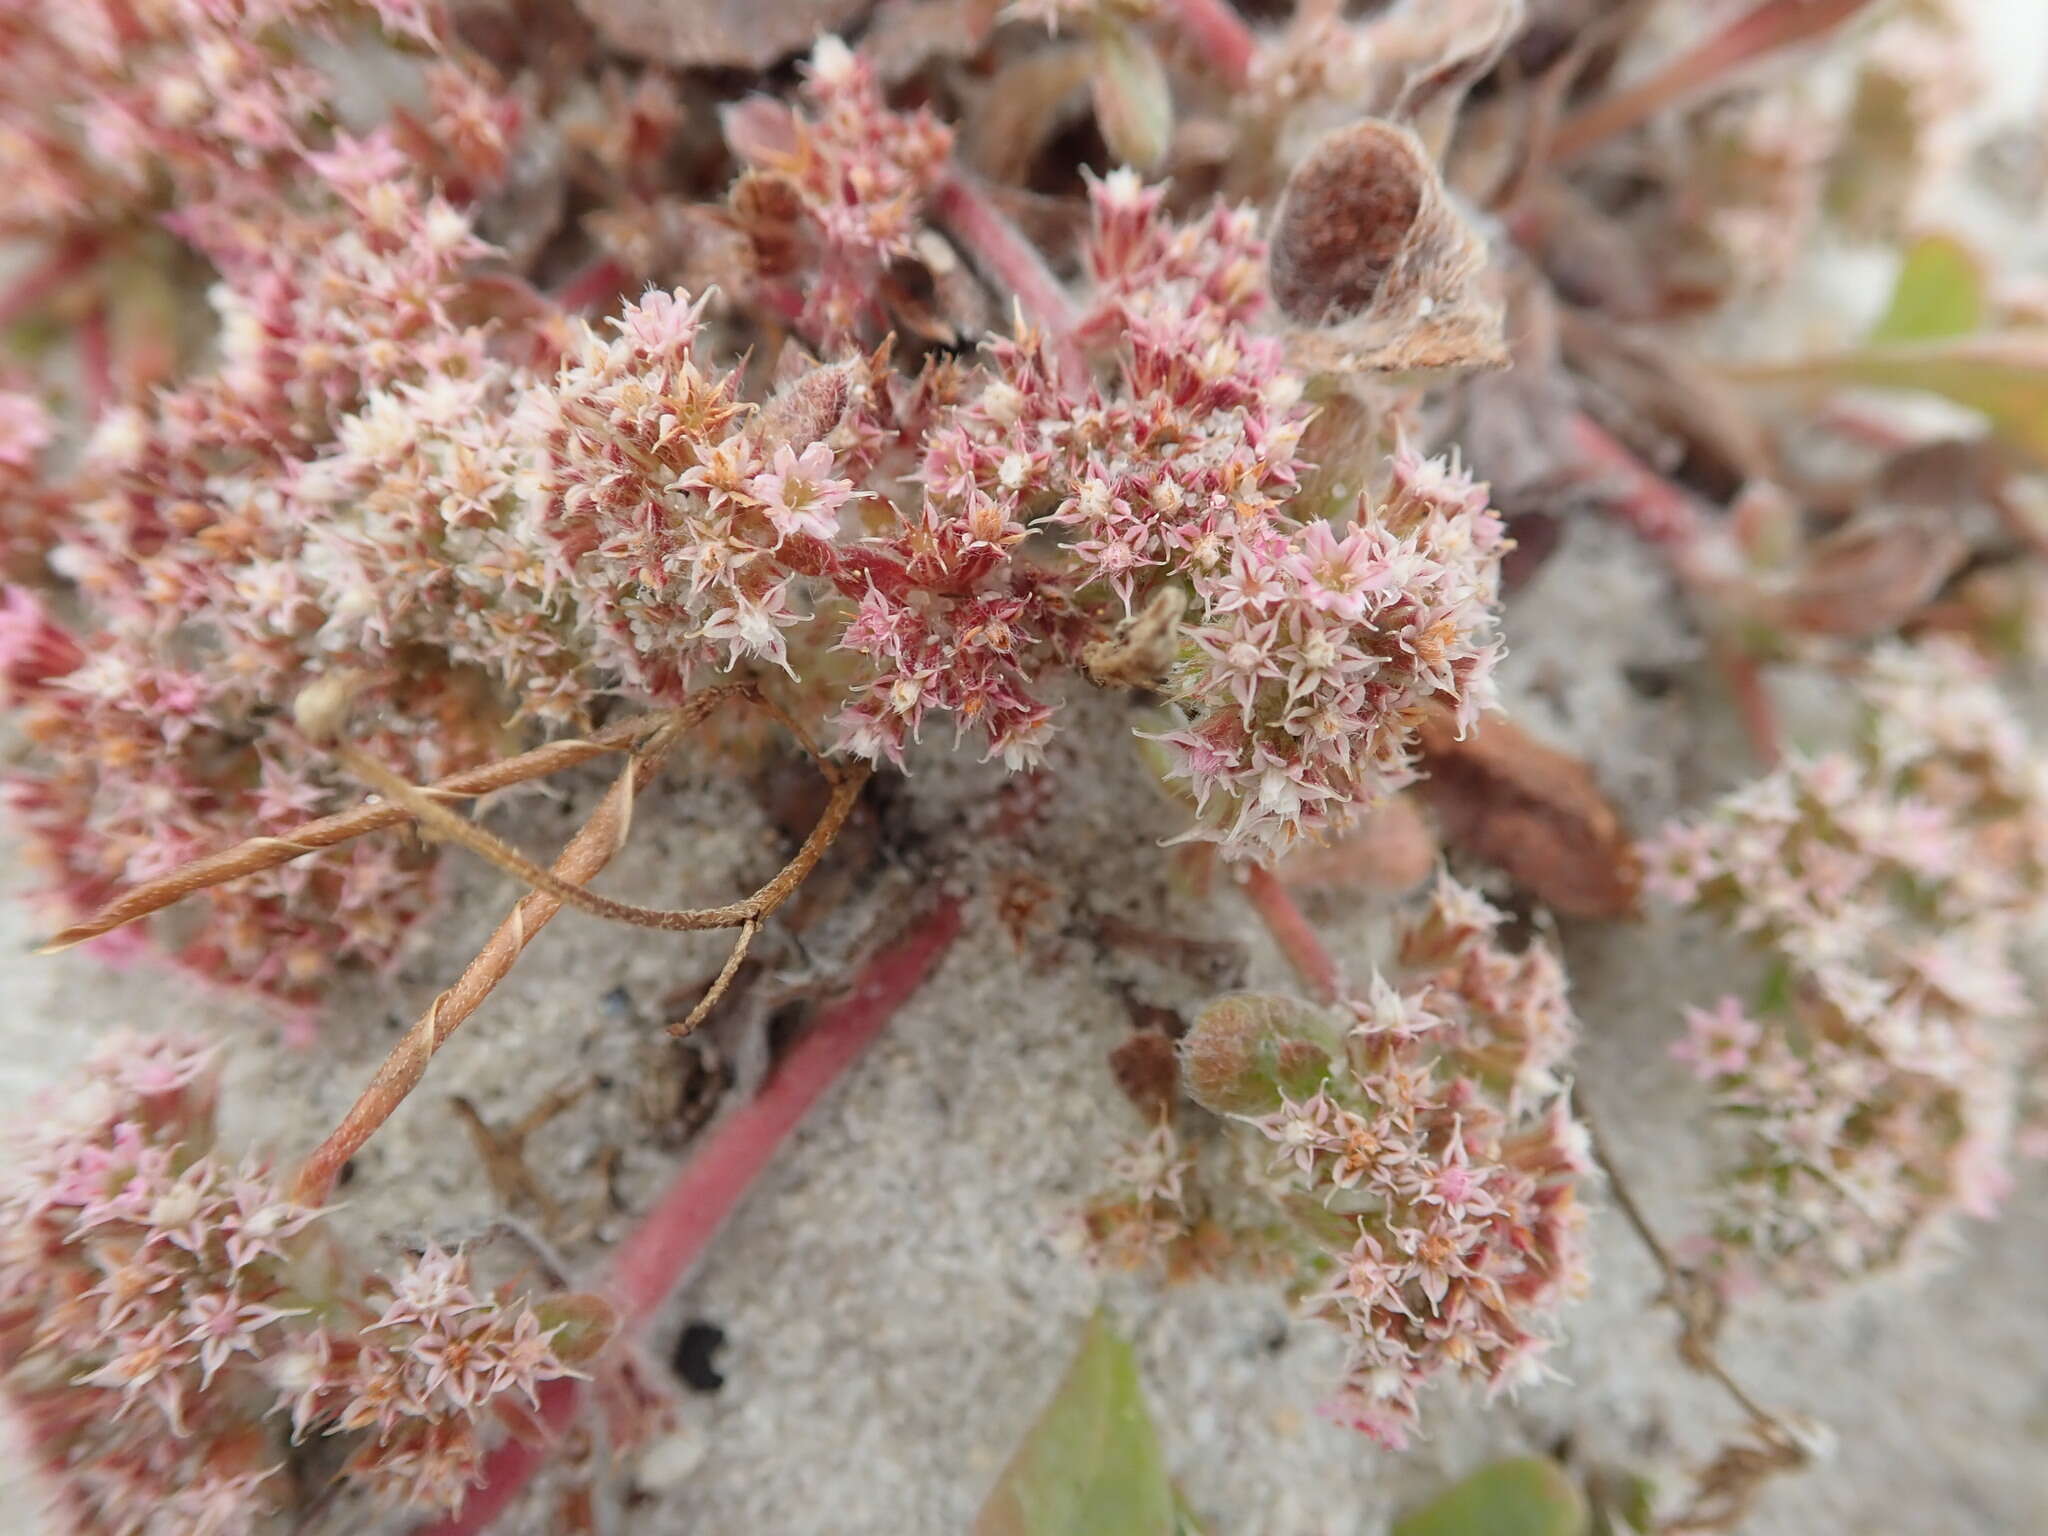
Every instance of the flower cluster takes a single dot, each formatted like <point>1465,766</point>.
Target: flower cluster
<point>399,463</point>
<point>1421,1147</point>
<point>836,193</point>
<point>169,1320</point>
<point>1890,888</point>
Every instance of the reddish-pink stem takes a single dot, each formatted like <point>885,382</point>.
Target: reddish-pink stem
<point>674,1234</point>
<point>1658,511</point>
<point>1220,36</point>
<point>1001,251</point>
<point>1294,933</point>
<point>47,277</point>
<point>1773,25</point>
<point>1662,515</point>
<point>598,283</point>
<point>96,361</point>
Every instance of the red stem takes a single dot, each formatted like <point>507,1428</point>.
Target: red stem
<point>1667,518</point>
<point>96,361</point>
<point>674,1234</point>
<point>1002,252</point>
<point>1659,512</point>
<point>1220,36</point>
<point>1295,934</point>
<point>1773,25</point>
<point>598,283</point>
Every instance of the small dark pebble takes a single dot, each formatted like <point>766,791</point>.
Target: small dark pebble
<point>694,1353</point>
<point>1650,682</point>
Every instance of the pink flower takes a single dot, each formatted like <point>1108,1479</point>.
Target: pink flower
<point>1718,1041</point>
<point>799,496</point>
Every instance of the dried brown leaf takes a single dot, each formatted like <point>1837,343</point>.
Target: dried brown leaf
<point>1868,578</point>
<point>733,34</point>
<point>1147,1071</point>
<point>1533,810</point>
<point>1391,851</point>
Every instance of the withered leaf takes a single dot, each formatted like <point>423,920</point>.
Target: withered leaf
<point>1869,577</point>
<point>736,34</point>
<point>1391,850</point>
<point>1147,1070</point>
<point>1534,811</point>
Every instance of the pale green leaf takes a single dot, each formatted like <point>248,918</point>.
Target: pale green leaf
<point>2002,377</point>
<point>1091,1465</point>
<point>1939,294</point>
<point>1527,1496</point>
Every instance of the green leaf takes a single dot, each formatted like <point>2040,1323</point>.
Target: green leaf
<point>1133,98</point>
<point>1526,1496</point>
<point>1939,294</point>
<point>2002,377</point>
<point>1091,1465</point>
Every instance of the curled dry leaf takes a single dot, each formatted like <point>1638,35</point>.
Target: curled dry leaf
<point>734,34</point>
<point>1438,51</point>
<point>1868,578</point>
<point>1028,100</point>
<point>1142,648</point>
<point>1534,811</point>
<point>1375,266</point>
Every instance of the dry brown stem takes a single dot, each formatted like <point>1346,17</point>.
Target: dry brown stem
<point>503,1152</point>
<point>1731,1483</point>
<point>438,819</point>
<point>586,855</point>
<point>261,853</point>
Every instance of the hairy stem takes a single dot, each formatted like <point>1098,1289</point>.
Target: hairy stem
<point>999,248</point>
<point>675,1232</point>
<point>1295,934</point>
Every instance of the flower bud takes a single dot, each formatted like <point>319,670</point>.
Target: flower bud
<point>1246,1050</point>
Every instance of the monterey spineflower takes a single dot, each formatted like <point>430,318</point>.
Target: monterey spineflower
<point>1890,888</point>
<point>1413,1165</point>
<point>172,1323</point>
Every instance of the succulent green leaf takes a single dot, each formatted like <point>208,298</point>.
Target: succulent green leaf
<point>1133,99</point>
<point>1092,1463</point>
<point>1939,294</point>
<point>1524,1496</point>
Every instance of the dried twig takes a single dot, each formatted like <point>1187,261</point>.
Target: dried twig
<point>504,1151</point>
<point>587,854</point>
<point>261,853</point>
<point>434,816</point>
<point>1730,1484</point>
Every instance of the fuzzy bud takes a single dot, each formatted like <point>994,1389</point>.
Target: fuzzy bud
<point>1245,1052</point>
